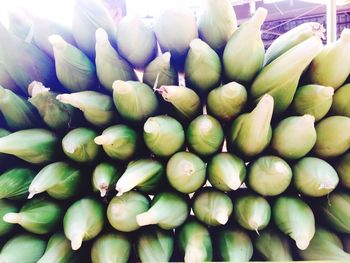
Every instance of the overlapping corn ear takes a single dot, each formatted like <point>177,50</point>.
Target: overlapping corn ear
<point>55,114</point>
<point>331,66</point>
<point>234,245</point>
<point>25,62</point>
<point>341,98</point>
<point>23,248</point>
<point>160,72</point>
<point>88,16</point>
<point>14,183</point>
<point>273,246</point>
<point>104,177</point>
<point>60,180</point>
<point>57,250</point>
<point>292,38</point>
<point>216,23</point>
<point>6,207</point>
<point>175,28</point>
<point>313,99</point>
<point>113,247</point>
<point>98,108</point>
<point>32,145</point>
<point>155,245</point>
<point>251,133</point>
<point>136,41</point>
<point>110,66</point>
<point>333,137</point>
<point>39,216</point>
<point>74,70</point>
<point>343,169</point>
<point>202,67</point>
<point>17,112</point>
<point>240,64</point>
<point>325,246</point>
<point>43,28</point>
<point>6,81</point>
<point>282,84</point>
<point>135,101</point>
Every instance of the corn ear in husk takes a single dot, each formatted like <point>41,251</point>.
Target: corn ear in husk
<point>104,177</point>
<point>6,207</point>
<point>342,167</point>
<point>340,105</point>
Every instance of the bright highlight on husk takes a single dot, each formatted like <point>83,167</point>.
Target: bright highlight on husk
<point>104,177</point>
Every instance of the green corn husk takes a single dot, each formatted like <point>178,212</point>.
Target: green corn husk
<point>252,212</point>
<point>336,211</point>
<point>291,38</point>
<point>227,101</point>
<point>104,178</point>
<point>14,183</point>
<point>294,218</point>
<point>43,28</point>
<point>294,136</point>
<point>55,114</point>
<point>136,41</point>
<point>234,245</point>
<point>243,55</point>
<point>333,137</point>
<point>110,66</point>
<point>60,180</point>
<point>79,145</point>
<point>20,24</point>
<point>185,172</point>
<point>216,23</point>
<point>88,16</point>
<point>273,246</point>
<point>143,174</point>
<point>312,99</point>
<point>58,250</point>
<point>163,135</point>
<point>175,28</point>
<point>226,171</point>
<point>24,62</point>
<point>194,242</point>
<point>98,108</point>
<point>122,210</point>
<point>325,246</point>
<point>340,105</point>
<point>205,135</point>
<point>17,112</point>
<point>160,72</point>
<point>331,67</point>
<point>6,81</point>
<point>154,244</point>
<point>212,207</point>
<point>83,221</point>
<point>281,77</point>
<point>120,142</point>
<point>314,177</point>
<point>38,216</point>
<point>6,207</point>
<point>35,146</point>
<point>185,101</point>
<point>3,133</point>
<point>135,101</point>
<point>251,132</point>
<point>342,167</point>
<point>168,210</point>
<point>269,175</point>
<point>112,247</point>
<point>202,67</point>
<point>74,70</point>
<point>23,248</point>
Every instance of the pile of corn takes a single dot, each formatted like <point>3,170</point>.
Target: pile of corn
<point>249,160</point>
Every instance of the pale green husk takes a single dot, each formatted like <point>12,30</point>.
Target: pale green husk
<point>6,207</point>
<point>343,169</point>
<point>104,177</point>
<point>341,105</point>
<point>14,183</point>
<point>122,210</point>
<point>113,247</point>
<point>212,207</point>
<point>314,177</point>
<point>185,172</point>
